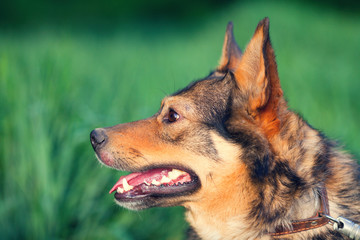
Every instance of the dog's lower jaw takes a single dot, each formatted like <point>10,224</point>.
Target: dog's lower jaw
<point>135,206</point>
<point>149,202</point>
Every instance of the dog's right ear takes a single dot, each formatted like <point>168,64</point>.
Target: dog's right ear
<point>231,53</point>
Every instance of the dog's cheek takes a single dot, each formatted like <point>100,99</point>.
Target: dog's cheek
<point>226,150</point>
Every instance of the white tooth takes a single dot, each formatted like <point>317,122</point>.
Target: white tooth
<point>126,186</point>
<point>146,182</point>
<point>174,174</point>
<point>120,190</point>
<point>154,182</point>
<point>165,179</point>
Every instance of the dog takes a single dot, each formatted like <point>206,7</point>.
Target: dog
<point>230,151</point>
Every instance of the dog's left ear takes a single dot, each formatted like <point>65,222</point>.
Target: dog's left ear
<point>231,52</point>
<point>257,78</point>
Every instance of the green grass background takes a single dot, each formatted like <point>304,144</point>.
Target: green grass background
<point>60,81</point>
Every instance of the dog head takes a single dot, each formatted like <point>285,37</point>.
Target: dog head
<point>215,132</point>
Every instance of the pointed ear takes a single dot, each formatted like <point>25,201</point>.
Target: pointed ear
<point>257,78</point>
<point>231,53</point>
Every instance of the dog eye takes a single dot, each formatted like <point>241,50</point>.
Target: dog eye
<point>172,116</point>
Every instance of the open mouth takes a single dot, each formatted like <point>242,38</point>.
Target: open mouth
<point>157,182</point>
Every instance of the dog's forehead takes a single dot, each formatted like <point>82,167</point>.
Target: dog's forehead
<point>176,101</point>
<point>203,88</point>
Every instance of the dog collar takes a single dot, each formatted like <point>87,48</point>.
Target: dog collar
<point>318,220</point>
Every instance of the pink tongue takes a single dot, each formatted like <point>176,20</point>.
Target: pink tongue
<point>135,179</point>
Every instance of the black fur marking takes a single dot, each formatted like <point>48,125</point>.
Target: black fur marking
<point>136,153</point>
<point>291,181</point>
<point>192,235</point>
<point>261,167</point>
<point>320,170</point>
<point>329,235</point>
<point>282,182</point>
<point>256,156</point>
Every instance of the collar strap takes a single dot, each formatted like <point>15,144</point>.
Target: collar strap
<point>318,220</point>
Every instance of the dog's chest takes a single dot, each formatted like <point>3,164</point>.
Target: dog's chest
<point>210,227</point>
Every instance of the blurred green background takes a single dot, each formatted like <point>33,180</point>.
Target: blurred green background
<point>67,67</point>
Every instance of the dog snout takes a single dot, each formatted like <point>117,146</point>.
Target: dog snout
<point>98,138</point>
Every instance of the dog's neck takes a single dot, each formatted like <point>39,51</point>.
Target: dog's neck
<point>234,207</point>
<point>234,218</point>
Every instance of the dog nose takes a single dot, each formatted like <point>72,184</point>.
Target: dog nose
<point>98,138</point>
